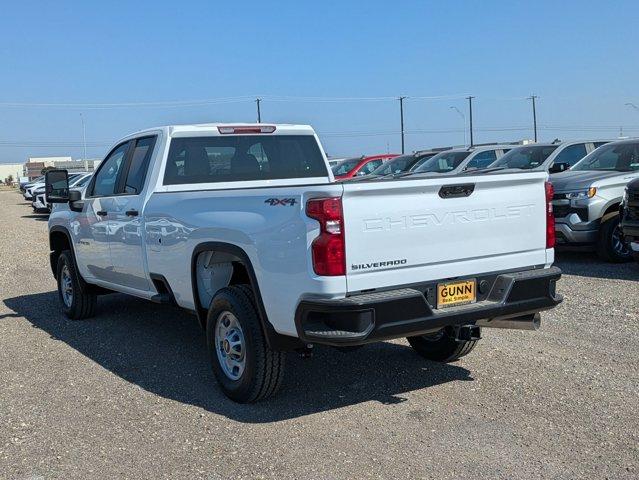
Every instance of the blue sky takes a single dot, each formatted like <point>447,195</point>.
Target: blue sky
<point>579,57</point>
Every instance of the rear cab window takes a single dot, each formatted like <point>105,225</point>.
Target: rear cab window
<point>236,158</point>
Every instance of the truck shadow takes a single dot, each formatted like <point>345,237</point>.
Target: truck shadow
<point>162,350</point>
<point>586,264</point>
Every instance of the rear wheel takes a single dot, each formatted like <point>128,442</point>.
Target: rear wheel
<point>441,346</point>
<point>77,303</point>
<point>244,365</point>
<point>610,245</point>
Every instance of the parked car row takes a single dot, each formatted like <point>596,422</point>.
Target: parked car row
<point>35,191</point>
<point>588,177</point>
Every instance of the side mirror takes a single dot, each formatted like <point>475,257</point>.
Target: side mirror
<point>558,167</point>
<point>56,186</point>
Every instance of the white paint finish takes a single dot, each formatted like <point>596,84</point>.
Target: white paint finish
<point>126,243</point>
<point>435,238</point>
<point>275,238</point>
<point>90,233</point>
<point>500,226</point>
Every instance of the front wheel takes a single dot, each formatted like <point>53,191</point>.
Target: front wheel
<point>244,365</point>
<point>610,246</point>
<point>441,346</point>
<point>77,303</point>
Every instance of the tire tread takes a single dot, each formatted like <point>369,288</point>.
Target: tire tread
<point>84,303</point>
<point>269,364</point>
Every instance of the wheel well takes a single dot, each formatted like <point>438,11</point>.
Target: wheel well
<point>611,211</point>
<point>58,242</point>
<point>216,270</point>
<point>216,265</point>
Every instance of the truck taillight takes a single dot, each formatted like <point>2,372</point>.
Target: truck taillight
<point>550,217</point>
<point>328,249</point>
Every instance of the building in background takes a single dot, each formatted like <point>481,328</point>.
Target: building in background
<point>76,165</point>
<point>10,169</point>
<point>34,165</point>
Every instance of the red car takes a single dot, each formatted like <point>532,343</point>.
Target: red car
<point>353,167</point>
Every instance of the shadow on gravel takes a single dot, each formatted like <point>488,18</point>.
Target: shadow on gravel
<point>42,217</point>
<point>162,349</point>
<point>588,265</point>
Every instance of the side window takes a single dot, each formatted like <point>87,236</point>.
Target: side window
<point>107,176</point>
<point>369,167</point>
<point>139,165</point>
<point>482,160</point>
<point>571,154</point>
<point>82,182</point>
<point>599,144</point>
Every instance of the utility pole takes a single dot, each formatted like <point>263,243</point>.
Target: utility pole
<point>84,137</point>
<point>401,118</point>
<point>259,115</point>
<point>470,115</point>
<point>533,98</point>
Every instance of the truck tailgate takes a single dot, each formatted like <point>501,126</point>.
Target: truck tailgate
<point>415,230</point>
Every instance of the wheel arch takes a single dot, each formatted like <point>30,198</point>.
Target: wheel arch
<point>275,340</point>
<point>612,209</point>
<point>59,240</point>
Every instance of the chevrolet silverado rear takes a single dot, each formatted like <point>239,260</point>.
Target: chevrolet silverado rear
<point>430,257</point>
<point>244,226</point>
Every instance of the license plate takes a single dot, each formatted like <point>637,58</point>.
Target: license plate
<point>456,293</point>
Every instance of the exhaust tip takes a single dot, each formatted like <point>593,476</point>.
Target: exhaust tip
<point>525,322</point>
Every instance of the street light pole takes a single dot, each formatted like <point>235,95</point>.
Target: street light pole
<point>463,121</point>
<point>534,108</point>
<point>470,113</point>
<point>401,119</point>
<point>259,116</point>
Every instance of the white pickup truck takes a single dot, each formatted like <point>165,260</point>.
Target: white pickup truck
<point>244,226</point>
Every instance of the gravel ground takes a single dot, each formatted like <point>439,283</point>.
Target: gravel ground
<point>129,393</point>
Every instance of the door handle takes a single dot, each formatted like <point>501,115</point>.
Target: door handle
<point>102,213</point>
<point>131,213</point>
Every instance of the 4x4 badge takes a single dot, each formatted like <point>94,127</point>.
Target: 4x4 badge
<point>287,202</point>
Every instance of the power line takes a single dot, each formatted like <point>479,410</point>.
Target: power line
<point>180,103</point>
<point>215,101</point>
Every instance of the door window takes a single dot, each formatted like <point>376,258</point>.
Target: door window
<point>106,179</point>
<point>369,167</point>
<point>482,159</point>
<point>571,154</point>
<point>139,165</point>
